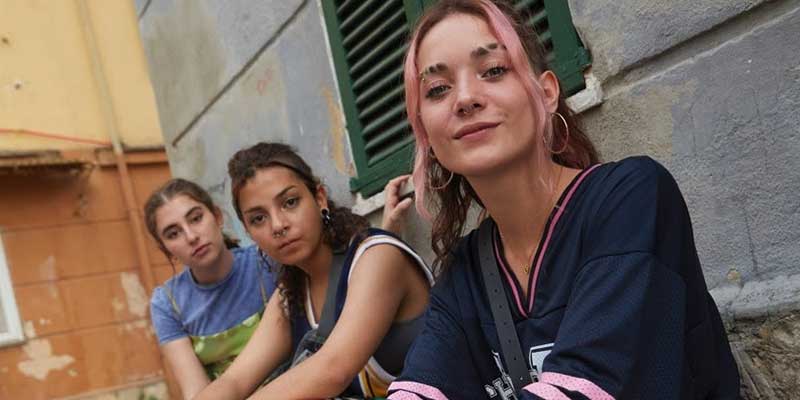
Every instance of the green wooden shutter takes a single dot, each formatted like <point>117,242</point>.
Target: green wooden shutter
<point>368,42</point>
<point>566,55</point>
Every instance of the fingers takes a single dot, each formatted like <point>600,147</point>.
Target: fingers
<point>392,190</point>
<point>404,205</point>
<point>394,208</point>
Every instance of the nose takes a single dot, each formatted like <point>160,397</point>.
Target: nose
<point>279,224</point>
<point>191,235</point>
<point>468,99</point>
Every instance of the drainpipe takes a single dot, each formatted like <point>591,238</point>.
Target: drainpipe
<point>146,272</point>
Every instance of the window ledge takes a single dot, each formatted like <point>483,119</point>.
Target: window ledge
<point>587,98</point>
<point>375,202</point>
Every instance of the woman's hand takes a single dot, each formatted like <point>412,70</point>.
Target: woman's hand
<point>394,208</point>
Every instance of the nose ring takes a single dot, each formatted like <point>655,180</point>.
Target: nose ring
<point>468,109</point>
<point>279,234</point>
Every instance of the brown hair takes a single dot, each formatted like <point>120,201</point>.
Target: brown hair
<point>573,147</point>
<point>168,191</point>
<point>344,224</point>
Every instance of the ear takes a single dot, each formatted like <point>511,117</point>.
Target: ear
<point>218,216</point>
<point>321,197</point>
<point>551,90</point>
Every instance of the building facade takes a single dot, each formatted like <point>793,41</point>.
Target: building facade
<point>80,149</point>
<point>707,87</point>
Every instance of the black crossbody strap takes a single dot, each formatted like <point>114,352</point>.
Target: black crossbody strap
<point>506,332</point>
<point>328,317</point>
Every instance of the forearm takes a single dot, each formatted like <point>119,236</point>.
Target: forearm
<point>190,390</point>
<point>320,376</point>
<point>221,389</point>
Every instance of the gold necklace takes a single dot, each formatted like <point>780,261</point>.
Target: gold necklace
<point>532,252</point>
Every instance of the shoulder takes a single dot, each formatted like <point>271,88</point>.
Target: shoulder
<point>171,287</point>
<point>245,254</point>
<point>159,298</point>
<point>634,170</point>
<point>379,243</point>
<point>633,203</point>
<point>635,181</point>
<point>160,304</point>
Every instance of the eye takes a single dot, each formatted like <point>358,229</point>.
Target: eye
<point>495,72</point>
<point>195,218</point>
<point>291,202</point>
<point>257,219</point>
<point>171,234</point>
<point>436,91</point>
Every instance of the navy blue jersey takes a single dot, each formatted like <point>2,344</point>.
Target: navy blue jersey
<point>617,306</point>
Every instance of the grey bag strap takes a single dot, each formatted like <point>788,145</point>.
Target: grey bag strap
<point>328,317</point>
<point>506,332</point>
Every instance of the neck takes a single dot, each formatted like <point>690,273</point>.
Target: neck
<point>216,272</point>
<point>318,264</point>
<point>520,198</point>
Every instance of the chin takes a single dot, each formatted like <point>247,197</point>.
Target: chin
<point>490,161</point>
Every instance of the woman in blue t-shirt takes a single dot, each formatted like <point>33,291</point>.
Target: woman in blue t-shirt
<point>204,315</point>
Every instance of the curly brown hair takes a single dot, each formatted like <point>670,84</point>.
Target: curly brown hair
<point>344,225</point>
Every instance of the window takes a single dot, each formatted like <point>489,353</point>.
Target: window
<point>10,327</point>
<point>368,41</point>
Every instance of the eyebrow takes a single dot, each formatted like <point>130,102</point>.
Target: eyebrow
<point>193,209</point>
<point>479,52</point>
<point>259,208</point>
<point>482,51</point>
<point>170,226</point>
<point>433,69</point>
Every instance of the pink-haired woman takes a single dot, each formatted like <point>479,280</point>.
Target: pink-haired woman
<point>593,265</point>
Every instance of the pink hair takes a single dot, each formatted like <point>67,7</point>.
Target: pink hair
<point>503,29</point>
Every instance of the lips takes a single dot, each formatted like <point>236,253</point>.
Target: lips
<point>287,243</point>
<point>474,128</point>
<point>200,249</point>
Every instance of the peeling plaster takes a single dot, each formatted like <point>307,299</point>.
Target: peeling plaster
<point>134,293</point>
<point>140,324</point>
<point>48,267</point>
<point>41,359</point>
<point>337,132</point>
<point>28,328</point>
<point>117,304</point>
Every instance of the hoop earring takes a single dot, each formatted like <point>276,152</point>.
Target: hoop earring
<point>445,184</point>
<point>549,146</point>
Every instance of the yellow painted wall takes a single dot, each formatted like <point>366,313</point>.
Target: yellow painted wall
<point>49,83</point>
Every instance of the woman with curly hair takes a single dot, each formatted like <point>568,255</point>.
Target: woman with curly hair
<point>363,289</point>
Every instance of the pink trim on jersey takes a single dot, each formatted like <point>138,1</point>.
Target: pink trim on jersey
<point>580,385</point>
<point>545,391</point>
<point>553,224</point>
<point>504,267</point>
<point>403,395</point>
<point>415,387</point>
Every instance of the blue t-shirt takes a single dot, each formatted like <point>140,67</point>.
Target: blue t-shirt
<point>209,309</point>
